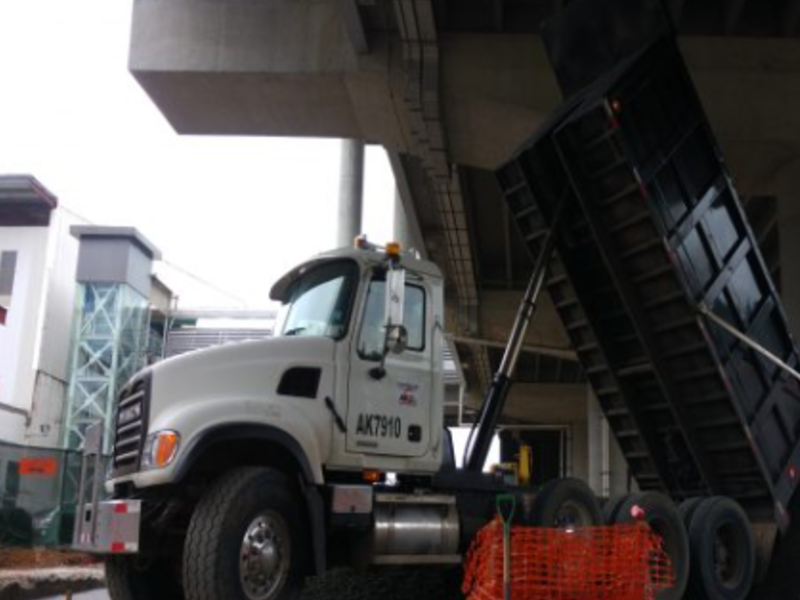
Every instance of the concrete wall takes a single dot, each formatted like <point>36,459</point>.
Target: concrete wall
<point>573,407</point>
<point>46,418</point>
<point>20,337</point>
<point>607,470</point>
<point>35,343</point>
<point>553,405</point>
<point>61,289</point>
<point>114,260</point>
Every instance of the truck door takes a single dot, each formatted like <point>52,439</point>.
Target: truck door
<point>390,414</point>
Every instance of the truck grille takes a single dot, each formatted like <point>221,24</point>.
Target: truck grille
<point>131,427</point>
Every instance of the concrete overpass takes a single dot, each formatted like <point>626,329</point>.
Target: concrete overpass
<point>451,88</point>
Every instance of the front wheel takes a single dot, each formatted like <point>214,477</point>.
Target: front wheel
<point>247,540</point>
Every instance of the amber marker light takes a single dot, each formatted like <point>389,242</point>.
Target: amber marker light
<point>160,449</point>
<point>393,249</point>
<point>166,446</point>
<point>372,476</point>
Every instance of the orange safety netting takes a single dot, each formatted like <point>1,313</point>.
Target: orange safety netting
<point>619,562</point>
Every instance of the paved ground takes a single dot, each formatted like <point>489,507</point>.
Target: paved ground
<point>93,595</point>
<point>387,584</point>
<point>339,585</point>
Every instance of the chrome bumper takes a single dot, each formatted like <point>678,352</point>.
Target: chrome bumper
<point>109,527</point>
<point>103,526</point>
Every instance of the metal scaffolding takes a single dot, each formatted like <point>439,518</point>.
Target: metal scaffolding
<point>109,346</point>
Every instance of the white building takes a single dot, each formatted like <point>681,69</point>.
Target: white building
<point>38,258</point>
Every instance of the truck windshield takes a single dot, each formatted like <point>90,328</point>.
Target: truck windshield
<point>320,301</point>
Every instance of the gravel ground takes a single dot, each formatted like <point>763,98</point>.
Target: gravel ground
<point>23,584</point>
<point>783,578</point>
<point>386,584</point>
<point>783,582</point>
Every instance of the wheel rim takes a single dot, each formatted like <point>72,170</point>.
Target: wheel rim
<point>572,514</point>
<point>728,550</point>
<point>264,556</point>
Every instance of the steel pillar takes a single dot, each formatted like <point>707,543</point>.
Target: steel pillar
<point>351,193</point>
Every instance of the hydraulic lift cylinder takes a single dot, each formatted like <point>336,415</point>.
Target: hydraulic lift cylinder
<point>481,438</point>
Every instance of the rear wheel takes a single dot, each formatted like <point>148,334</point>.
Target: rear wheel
<point>611,507</point>
<point>723,551</point>
<point>663,517</point>
<point>247,540</point>
<point>566,503</point>
<point>687,510</point>
<point>136,578</point>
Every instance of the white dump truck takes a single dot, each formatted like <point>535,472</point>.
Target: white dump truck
<point>239,470</point>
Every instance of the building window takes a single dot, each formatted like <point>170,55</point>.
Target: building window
<point>8,268</point>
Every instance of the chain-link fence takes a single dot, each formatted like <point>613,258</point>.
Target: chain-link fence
<point>38,494</point>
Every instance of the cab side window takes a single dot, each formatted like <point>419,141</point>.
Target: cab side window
<point>373,330</point>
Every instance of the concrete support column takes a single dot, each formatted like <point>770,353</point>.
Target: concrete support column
<point>789,235</point>
<point>598,446</point>
<point>608,471</point>
<point>351,192</point>
<point>402,229</point>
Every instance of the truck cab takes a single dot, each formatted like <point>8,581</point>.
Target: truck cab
<point>327,382</point>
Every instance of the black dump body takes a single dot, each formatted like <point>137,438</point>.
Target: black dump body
<point>653,231</point>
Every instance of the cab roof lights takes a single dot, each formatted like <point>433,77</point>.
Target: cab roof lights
<point>392,249</point>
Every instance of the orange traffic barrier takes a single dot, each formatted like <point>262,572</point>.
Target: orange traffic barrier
<point>619,562</point>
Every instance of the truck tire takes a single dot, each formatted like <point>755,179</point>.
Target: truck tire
<point>723,551</point>
<point>664,518</point>
<point>566,503</point>
<point>611,508</point>
<point>135,578</point>
<point>688,509</point>
<point>247,540</point>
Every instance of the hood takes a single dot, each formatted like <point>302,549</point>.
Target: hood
<point>236,372</point>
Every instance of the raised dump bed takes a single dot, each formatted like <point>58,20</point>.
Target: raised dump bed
<point>655,232</point>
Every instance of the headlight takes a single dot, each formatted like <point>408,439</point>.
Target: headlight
<point>160,449</point>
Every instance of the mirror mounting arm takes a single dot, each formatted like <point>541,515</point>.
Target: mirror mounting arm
<point>379,372</point>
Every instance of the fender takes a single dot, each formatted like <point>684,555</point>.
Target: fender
<point>268,433</point>
<point>241,431</point>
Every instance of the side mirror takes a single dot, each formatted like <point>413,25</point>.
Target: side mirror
<point>397,339</point>
<point>395,297</point>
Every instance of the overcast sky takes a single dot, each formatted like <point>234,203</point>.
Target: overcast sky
<point>237,212</point>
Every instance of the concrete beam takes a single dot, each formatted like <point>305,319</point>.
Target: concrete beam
<point>498,309</point>
<point>506,81</point>
<point>733,14</point>
<point>791,17</point>
<point>289,67</point>
<point>545,404</point>
<point>281,68</point>
<point>354,26</point>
